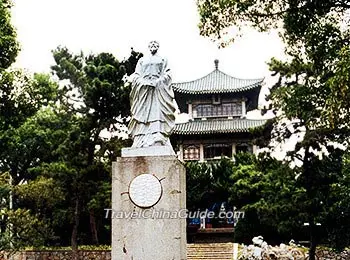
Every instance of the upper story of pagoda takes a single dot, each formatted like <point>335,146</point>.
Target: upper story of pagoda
<point>217,95</point>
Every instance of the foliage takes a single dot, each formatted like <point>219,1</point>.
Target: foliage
<point>276,202</point>
<point>293,19</point>
<point>42,193</point>
<point>198,183</point>
<point>96,83</point>
<point>262,189</point>
<point>338,226</point>
<point>19,227</point>
<point>24,228</point>
<point>95,95</point>
<point>310,98</point>
<point>54,144</point>
<point>8,43</point>
<point>274,197</point>
<point>57,154</point>
<point>305,97</point>
<point>21,97</point>
<point>35,141</point>
<point>5,189</point>
<point>206,181</point>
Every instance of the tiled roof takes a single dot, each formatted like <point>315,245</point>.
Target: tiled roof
<point>217,126</point>
<point>216,82</point>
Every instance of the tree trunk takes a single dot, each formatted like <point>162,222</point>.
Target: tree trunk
<point>93,227</point>
<point>307,171</point>
<point>74,238</point>
<point>91,154</point>
<point>313,241</point>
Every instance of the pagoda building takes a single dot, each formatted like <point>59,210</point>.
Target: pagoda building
<point>217,105</point>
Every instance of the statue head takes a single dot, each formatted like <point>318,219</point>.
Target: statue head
<point>153,46</point>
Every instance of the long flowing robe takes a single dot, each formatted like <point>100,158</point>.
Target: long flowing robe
<point>152,103</point>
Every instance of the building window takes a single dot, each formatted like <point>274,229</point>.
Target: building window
<point>216,151</point>
<point>244,148</point>
<point>226,109</point>
<point>216,99</point>
<point>191,152</point>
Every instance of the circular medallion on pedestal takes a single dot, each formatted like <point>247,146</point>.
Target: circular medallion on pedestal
<point>145,190</point>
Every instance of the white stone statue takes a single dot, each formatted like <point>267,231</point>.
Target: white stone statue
<point>152,101</point>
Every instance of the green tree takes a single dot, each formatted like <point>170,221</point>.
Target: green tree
<point>208,183</point>
<point>198,183</point>
<point>19,227</point>
<point>305,95</point>
<point>337,221</point>
<point>35,141</point>
<point>55,147</point>
<point>8,43</point>
<point>276,202</point>
<point>292,18</point>
<point>51,142</point>
<point>21,96</point>
<point>94,93</point>
<point>311,95</point>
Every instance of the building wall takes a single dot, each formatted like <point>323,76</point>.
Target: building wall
<point>196,146</point>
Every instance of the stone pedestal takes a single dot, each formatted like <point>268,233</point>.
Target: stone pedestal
<point>156,233</point>
<point>148,151</point>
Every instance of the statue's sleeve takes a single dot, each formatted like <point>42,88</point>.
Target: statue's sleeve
<point>166,79</point>
<point>138,71</point>
<point>135,86</point>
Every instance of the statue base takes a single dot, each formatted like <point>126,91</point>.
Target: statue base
<point>161,150</point>
<point>156,233</point>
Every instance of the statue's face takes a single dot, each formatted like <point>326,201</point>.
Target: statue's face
<point>153,46</point>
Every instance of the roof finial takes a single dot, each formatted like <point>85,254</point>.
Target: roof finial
<point>216,62</point>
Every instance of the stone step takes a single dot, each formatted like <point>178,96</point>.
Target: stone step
<point>212,251</point>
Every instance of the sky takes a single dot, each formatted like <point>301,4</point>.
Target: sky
<point>117,25</point>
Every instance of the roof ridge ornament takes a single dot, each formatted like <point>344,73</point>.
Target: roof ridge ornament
<point>216,62</point>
